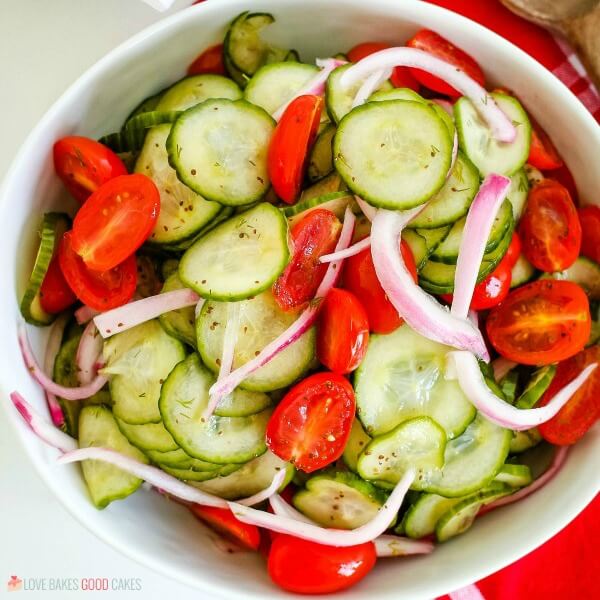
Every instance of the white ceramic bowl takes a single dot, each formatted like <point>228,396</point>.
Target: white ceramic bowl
<point>159,534</point>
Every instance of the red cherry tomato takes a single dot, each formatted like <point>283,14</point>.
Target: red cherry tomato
<point>290,146</point>
<point>583,409</point>
<point>589,217</point>
<point>564,176</point>
<point>312,237</point>
<point>435,44</point>
<point>304,567</point>
<point>55,293</point>
<point>311,425</point>
<point>115,221</point>
<point>541,322</point>
<point>210,61</point>
<point>342,332</point>
<point>84,165</point>
<point>542,153</point>
<point>514,250</point>
<point>549,229</point>
<point>365,49</point>
<point>223,521</point>
<point>99,290</point>
<point>361,279</point>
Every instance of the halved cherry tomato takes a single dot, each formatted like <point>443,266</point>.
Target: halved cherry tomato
<point>550,230</point>
<point>99,290</point>
<point>55,293</point>
<point>401,76</point>
<point>305,567</point>
<point>435,44</point>
<point>583,409</point>
<point>589,217</point>
<point>542,153</point>
<point>361,279</point>
<point>84,165</point>
<point>115,221</point>
<point>342,332</point>
<point>310,426</point>
<point>312,237</point>
<point>564,176</point>
<point>541,322</point>
<point>290,146</point>
<point>223,521</point>
<point>210,61</point>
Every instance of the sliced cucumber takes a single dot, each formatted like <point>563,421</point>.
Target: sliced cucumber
<point>195,475</point>
<point>476,139</point>
<point>151,436</point>
<point>176,459</point>
<point>253,477</point>
<point>336,202</point>
<point>219,150</point>
<point>105,482</point>
<point>168,267</point>
<point>148,104</point>
<point>524,440</point>
<point>182,212</point>
<point>422,517</point>
<point>357,442</point>
<point>395,154</point>
<point>224,440</point>
<point>196,89</point>
<point>242,403</point>
<point>320,162</point>
<point>260,322</point>
<point>396,94</point>
<point>454,199</point>
<point>522,272</point>
<point>340,500</point>
<point>515,476</point>
<point>402,377</point>
<point>239,258</point>
<point>327,185</point>
<point>274,84</point>
<point>338,99</point>
<point>138,362</point>
<point>53,226</point>
<point>517,193</point>
<point>540,381</point>
<point>423,242</point>
<point>509,385</point>
<point>181,323</point>
<point>585,272</point>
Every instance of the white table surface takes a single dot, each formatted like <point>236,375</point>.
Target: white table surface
<point>44,46</point>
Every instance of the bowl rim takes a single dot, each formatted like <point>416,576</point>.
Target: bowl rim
<point>415,8</point>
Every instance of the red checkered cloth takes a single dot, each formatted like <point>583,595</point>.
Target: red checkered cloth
<point>566,567</point>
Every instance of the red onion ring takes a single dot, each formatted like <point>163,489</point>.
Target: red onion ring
<point>52,348</point>
<point>393,545</point>
<point>88,354</point>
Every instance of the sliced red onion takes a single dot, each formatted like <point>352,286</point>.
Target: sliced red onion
<point>52,347</point>
<point>393,545</point>
<point>85,314</point>
<point>420,310</point>
<point>478,225</point>
<point>501,126</point>
<point>265,494</point>
<point>367,210</point>
<point>314,86</point>
<point>464,367</point>
<point>67,393</point>
<point>350,251</point>
<point>132,314</point>
<point>371,84</point>
<point>284,509</point>
<point>502,366</point>
<point>88,354</point>
<point>42,428</point>
<point>330,537</point>
<point>447,106</point>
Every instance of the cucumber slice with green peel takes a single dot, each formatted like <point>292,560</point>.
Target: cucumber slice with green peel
<point>454,199</point>
<point>151,436</point>
<point>54,224</point>
<point>181,323</point>
<point>524,440</point>
<point>336,202</point>
<point>105,482</point>
<point>422,517</point>
<point>274,84</point>
<point>585,272</point>
<point>515,476</point>
<point>196,89</point>
<point>423,242</point>
<point>250,479</point>
<point>402,377</point>
<point>137,362</point>
<point>239,258</point>
<point>357,442</point>
<point>340,500</point>
<point>447,252</point>
<point>240,78</point>
<point>195,475</point>
<point>243,403</point>
<point>219,150</point>
<point>396,94</point>
<point>394,154</point>
<point>461,516</point>
<point>537,385</point>
<point>509,385</point>
<point>362,228</point>
<point>478,143</point>
<point>260,322</point>
<point>471,460</point>
<point>534,175</point>
<point>148,104</point>
<point>339,99</point>
<point>445,117</point>
<point>183,400</point>
<point>182,212</point>
<point>518,192</point>
<point>417,443</point>
<point>320,162</point>
<point>329,184</point>
<point>522,272</point>
<point>176,459</point>
<point>168,267</point>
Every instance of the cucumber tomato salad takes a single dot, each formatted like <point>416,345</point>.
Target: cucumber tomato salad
<point>339,310</point>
